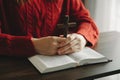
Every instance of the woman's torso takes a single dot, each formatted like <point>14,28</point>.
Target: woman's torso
<point>37,18</point>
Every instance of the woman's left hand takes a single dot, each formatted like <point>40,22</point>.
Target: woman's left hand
<point>75,42</point>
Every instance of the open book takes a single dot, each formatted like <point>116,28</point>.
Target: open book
<point>54,63</point>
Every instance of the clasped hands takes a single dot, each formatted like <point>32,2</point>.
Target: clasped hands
<point>53,45</point>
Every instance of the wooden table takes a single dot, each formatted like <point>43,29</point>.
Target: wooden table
<point>12,68</point>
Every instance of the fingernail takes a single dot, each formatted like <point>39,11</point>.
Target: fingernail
<point>59,52</point>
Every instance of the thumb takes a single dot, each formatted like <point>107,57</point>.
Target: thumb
<point>60,39</point>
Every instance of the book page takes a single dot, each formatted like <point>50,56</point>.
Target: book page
<point>52,63</point>
<point>88,55</point>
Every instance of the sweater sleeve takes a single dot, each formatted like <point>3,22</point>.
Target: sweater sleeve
<point>16,45</point>
<point>20,46</point>
<point>86,26</point>
<point>10,45</point>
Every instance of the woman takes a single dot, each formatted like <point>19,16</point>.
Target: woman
<point>27,27</point>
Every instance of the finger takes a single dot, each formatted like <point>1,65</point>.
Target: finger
<point>70,39</point>
<point>71,50</point>
<point>71,45</point>
<point>59,39</point>
<point>66,42</point>
<point>62,36</point>
<point>67,45</point>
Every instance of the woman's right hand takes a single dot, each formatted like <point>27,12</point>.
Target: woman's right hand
<point>47,45</point>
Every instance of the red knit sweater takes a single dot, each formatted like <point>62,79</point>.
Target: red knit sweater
<point>38,18</point>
